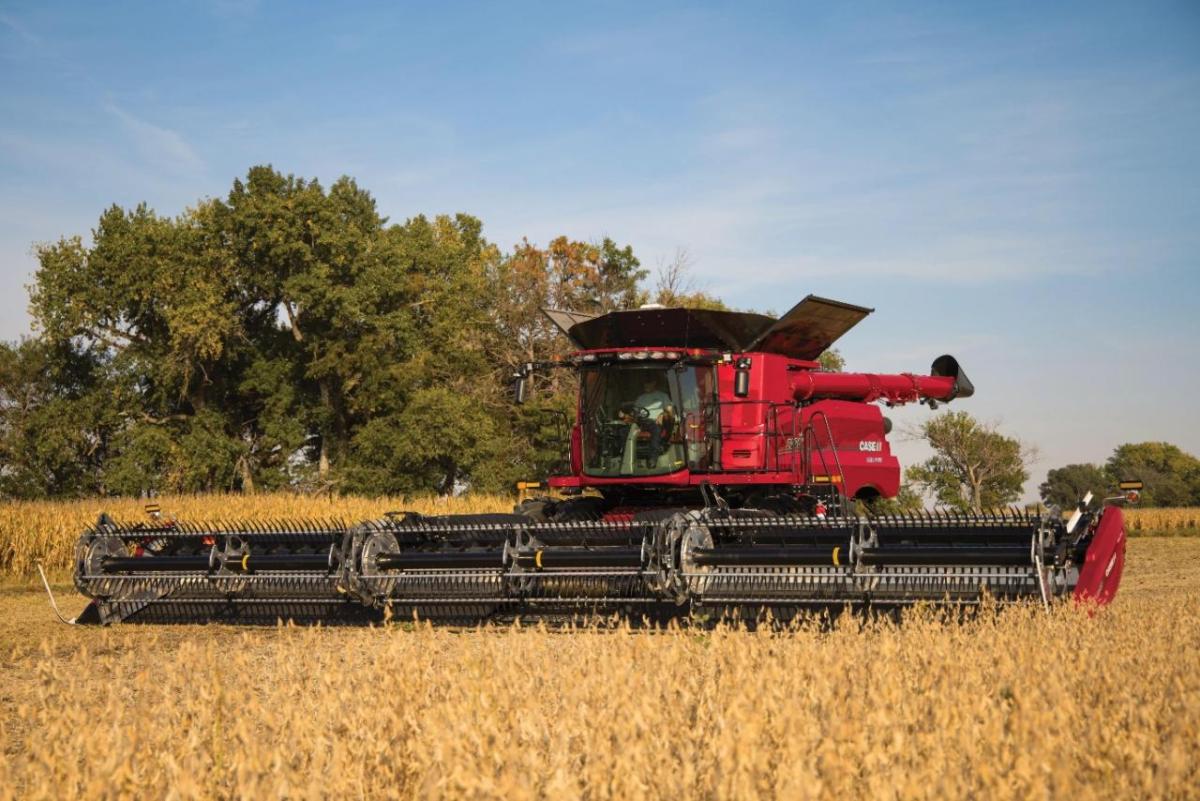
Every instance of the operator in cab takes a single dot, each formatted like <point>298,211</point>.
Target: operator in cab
<point>652,412</point>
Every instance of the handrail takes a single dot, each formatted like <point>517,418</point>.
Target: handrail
<point>763,428</point>
<point>821,451</point>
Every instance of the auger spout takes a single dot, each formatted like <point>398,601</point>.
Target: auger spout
<point>945,382</point>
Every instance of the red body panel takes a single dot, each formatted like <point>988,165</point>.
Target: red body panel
<point>1100,575</point>
<point>794,425</point>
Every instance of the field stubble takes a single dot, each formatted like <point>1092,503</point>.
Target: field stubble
<point>1020,704</point>
<point>32,531</point>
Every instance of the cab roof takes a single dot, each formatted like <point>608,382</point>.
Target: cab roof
<point>809,328</point>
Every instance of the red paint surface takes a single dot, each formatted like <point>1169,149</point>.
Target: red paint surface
<point>1100,575</point>
<point>791,403</point>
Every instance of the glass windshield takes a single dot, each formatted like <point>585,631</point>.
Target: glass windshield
<point>643,420</point>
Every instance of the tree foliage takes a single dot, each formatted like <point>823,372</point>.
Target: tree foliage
<point>1064,487</point>
<point>974,466</point>
<point>907,501</point>
<point>1171,476</point>
<point>56,420</point>
<point>288,335</point>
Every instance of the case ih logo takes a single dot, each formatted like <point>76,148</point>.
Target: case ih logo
<point>870,446</point>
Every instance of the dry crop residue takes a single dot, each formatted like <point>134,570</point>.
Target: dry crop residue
<point>46,531</point>
<point>1154,521</point>
<point>1017,705</point>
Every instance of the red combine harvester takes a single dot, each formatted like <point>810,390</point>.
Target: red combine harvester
<point>714,468</point>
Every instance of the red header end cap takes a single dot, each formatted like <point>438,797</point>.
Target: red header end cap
<point>1100,575</point>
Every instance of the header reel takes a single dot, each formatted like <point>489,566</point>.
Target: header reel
<point>702,562</point>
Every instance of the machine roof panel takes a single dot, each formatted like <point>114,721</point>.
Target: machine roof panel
<point>810,327</point>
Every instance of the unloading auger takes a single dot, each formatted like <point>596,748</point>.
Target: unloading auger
<point>714,471</point>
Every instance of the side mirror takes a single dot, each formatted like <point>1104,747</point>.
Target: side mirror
<point>519,388</point>
<point>741,383</point>
<point>741,377</point>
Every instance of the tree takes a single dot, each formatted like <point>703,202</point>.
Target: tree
<point>57,418</point>
<point>832,360</point>
<point>1171,476</point>
<point>675,286</point>
<point>1065,486</point>
<point>287,335</point>
<point>907,501</point>
<point>427,406</point>
<point>157,305</point>
<point>232,330</point>
<point>566,274</point>
<point>314,260</point>
<point>974,466</point>
<point>594,278</point>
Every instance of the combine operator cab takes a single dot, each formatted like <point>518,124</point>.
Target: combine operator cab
<point>646,419</point>
<point>713,469</point>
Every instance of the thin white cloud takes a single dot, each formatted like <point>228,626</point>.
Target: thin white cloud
<point>161,146</point>
<point>17,27</point>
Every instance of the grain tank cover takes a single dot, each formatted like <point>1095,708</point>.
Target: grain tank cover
<point>564,320</point>
<point>812,326</point>
<point>670,328</point>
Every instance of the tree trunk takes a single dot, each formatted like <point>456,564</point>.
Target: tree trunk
<point>247,475</point>
<point>447,486</point>
<point>293,324</point>
<point>976,495</point>
<point>333,435</point>
<point>976,485</point>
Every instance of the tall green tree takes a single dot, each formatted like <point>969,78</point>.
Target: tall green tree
<point>974,466</point>
<point>316,264</point>
<point>57,419</point>
<point>595,278</point>
<point>1065,486</point>
<point>1171,475</point>
<point>426,395</point>
<point>155,297</point>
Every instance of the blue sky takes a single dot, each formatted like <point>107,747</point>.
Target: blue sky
<point>1016,184</point>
